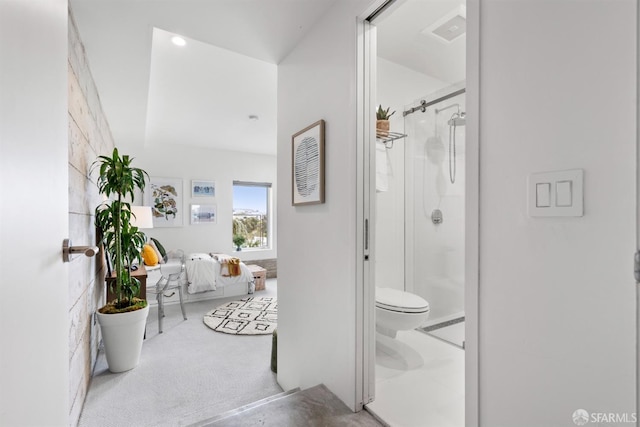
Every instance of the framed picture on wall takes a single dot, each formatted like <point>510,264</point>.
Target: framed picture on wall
<point>203,188</point>
<point>203,214</point>
<point>164,195</point>
<point>307,161</point>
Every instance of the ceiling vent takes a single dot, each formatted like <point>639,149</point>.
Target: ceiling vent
<point>449,27</point>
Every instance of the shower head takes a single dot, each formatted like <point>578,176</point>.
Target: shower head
<point>458,119</point>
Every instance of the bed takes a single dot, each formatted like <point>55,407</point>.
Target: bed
<point>209,272</point>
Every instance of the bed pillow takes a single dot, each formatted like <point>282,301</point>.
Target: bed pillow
<point>163,252</point>
<point>149,255</point>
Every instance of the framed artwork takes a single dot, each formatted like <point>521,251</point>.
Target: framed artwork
<point>203,188</point>
<point>164,195</point>
<point>203,214</point>
<point>307,163</point>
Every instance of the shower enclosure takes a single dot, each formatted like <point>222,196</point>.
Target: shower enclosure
<point>434,204</point>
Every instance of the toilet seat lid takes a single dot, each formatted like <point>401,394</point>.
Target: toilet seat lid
<point>400,301</point>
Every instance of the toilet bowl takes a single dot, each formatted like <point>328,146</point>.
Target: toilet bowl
<point>399,311</point>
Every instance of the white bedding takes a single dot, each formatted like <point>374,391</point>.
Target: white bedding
<point>205,273</point>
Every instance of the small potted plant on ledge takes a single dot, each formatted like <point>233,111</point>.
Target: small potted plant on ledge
<point>238,240</point>
<point>382,121</point>
<point>123,320</point>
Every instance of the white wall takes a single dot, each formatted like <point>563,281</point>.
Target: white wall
<point>397,87</point>
<point>34,354</point>
<point>557,306</point>
<point>316,250</point>
<point>223,167</point>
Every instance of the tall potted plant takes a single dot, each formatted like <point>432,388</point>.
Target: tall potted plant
<point>122,321</point>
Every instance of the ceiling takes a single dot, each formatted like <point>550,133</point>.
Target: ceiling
<point>203,94</point>
<point>404,38</point>
<point>206,96</point>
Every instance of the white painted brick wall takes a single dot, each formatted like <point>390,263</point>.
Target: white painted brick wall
<point>89,136</point>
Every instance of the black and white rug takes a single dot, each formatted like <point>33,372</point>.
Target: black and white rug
<point>248,316</point>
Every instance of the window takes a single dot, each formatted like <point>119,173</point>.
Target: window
<point>251,219</point>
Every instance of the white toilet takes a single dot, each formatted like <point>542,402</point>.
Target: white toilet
<point>399,311</point>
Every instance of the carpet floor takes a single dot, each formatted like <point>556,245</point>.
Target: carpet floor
<point>186,374</point>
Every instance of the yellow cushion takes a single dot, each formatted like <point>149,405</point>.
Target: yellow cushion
<point>149,255</point>
<point>155,249</point>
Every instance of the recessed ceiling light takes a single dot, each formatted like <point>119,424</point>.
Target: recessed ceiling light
<point>178,41</point>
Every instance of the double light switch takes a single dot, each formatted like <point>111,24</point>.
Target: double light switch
<point>557,193</point>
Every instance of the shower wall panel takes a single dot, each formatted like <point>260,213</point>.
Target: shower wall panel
<point>396,87</point>
<point>435,251</point>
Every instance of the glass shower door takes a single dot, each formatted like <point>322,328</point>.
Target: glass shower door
<point>434,207</point>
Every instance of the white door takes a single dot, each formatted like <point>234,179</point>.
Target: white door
<point>638,218</point>
<point>34,349</point>
<point>367,60</point>
<point>365,371</point>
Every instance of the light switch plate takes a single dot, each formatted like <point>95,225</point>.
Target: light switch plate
<point>565,193</point>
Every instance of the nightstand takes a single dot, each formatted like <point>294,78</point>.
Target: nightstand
<point>140,274</point>
<point>259,275</point>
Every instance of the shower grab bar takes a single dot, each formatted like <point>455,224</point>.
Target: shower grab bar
<point>424,104</point>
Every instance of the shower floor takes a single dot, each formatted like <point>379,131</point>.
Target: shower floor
<point>451,332</point>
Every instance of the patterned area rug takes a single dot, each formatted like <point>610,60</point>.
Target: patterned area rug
<point>248,316</point>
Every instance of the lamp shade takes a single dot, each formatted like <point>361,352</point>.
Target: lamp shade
<point>141,217</point>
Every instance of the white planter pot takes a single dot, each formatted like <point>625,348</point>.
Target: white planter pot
<point>122,335</point>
